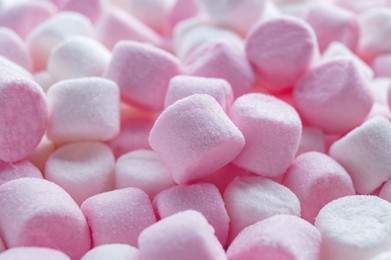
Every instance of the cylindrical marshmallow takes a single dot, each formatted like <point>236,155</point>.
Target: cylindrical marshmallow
<point>14,48</point>
<point>17,170</point>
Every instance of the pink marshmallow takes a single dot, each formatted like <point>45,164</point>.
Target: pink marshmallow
<point>136,88</point>
<point>48,34</point>
<point>385,192</point>
<point>82,169</point>
<point>20,169</point>
<point>116,25</point>
<point>85,109</point>
<point>312,139</point>
<point>185,235</point>
<point>339,85</point>
<point>317,179</point>
<point>207,60</point>
<point>25,16</point>
<point>92,9</point>
<point>202,197</point>
<point>118,216</point>
<point>277,237</point>
<point>77,57</point>
<point>332,23</point>
<point>112,251</point>
<point>194,137</point>
<point>252,199</point>
<point>362,5</point>
<point>183,10</point>
<point>37,212</point>
<point>270,48</point>
<point>23,117</point>
<point>14,48</point>
<point>363,152</point>
<point>272,131</point>
<point>29,253</point>
<point>144,170</point>
<point>6,64</point>
<point>381,65</point>
<point>184,86</point>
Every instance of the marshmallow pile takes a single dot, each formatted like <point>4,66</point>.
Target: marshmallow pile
<point>195,129</point>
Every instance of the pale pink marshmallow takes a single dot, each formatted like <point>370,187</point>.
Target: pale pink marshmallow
<point>17,170</point>
<point>182,10</point>
<point>270,48</point>
<point>337,49</point>
<point>333,24</point>
<point>312,139</point>
<point>382,65</point>
<point>339,85</point>
<point>24,16</point>
<point>144,170</point>
<point>92,9</point>
<point>184,235</point>
<point>238,15</point>
<point>6,64</point>
<point>85,109</point>
<point>14,48</point>
<point>48,34</point>
<point>133,135</point>
<point>44,80</point>
<point>41,153</point>
<point>362,5</point>
<point>272,130</point>
<point>355,227</point>
<point>112,251</point>
<point>23,117</point>
<point>184,86</point>
<point>151,68</point>
<point>375,33</point>
<point>202,197</point>
<point>277,237</point>
<point>263,198</point>
<point>37,212</point>
<point>385,192</point>
<point>30,253</point>
<point>382,256</point>
<point>194,137</point>
<point>82,169</point>
<point>77,57</point>
<point>317,179</point>
<point>207,60</point>
<point>116,25</point>
<point>363,152</point>
<point>118,216</point>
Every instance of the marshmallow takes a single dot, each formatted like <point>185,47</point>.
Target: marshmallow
<point>263,198</point>
<point>144,170</point>
<point>332,23</point>
<point>133,135</point>
<point>29,253</point>
<point>312,139</point>
<point>355,227</point>
<point>41,153</point>
<point>272,131</point>
<point>184,86</point>
<point>279,62</point>
<point>194,137</point>
<point>13,48</point>
<point>37,212</point>
<point>202,197</point>
<point>47,35</point>
<point>23,116</point>
<point>183,10</point>
<point>339,85</point>
<point>82,169</point>
<point>317,179</point>
<point>375,33</point>
<point>118,216</point>
<point>24,16</point>
<point>207,60</point>
<point>362,5</point>
<point>77,57</point>
<point>381,65</point>
<point>380,88</point>
<point>278,237</point>
<point>92,9</point>
<point>382,256</point>
<point>20,169</point>
<point>185,235</point>
<point>363,152</point>
<point>237,15</point>
<point>85,109</point>
<point>151,68</point>
<point>112,251</point>
<point>6,64</point>
<point>116,25</point>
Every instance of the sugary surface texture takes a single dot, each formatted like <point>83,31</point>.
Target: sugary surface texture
<point>29,253</point>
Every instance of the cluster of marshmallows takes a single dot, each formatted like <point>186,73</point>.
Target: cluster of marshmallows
<point>195,129</point>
